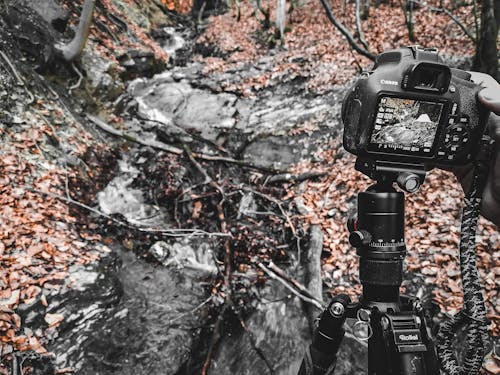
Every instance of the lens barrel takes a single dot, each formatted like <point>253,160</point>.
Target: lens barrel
<point>381,215</point>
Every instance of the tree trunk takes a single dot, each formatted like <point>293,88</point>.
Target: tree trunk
<point>486,59</point>
<point>280,18</point>
<point>365,13</point>
<point>73,49</point>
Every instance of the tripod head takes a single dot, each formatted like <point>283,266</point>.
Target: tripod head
<point>377,232</point>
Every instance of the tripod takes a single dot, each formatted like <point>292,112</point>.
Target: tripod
<point>398,341</point>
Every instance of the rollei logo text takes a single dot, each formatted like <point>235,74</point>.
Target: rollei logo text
<point>386,82</point>
<point>408,337</point>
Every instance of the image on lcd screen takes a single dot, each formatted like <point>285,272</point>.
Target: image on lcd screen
<point>405,122</point>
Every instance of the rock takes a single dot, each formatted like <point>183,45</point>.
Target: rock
<point>122,316</point>
<point>278,328</point>
<point>100,74</point>
<point>23,30</point>
<point>51,12</point>
<point>139,63</point>
<point>119,197</point>
<point>179,103</point>
<point>248,206</point>
<point>187,253</point>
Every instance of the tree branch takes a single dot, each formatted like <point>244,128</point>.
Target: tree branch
<point>449,14</point>
<point>172,149</point>
<point>132,138</point>
<point>166,232</point>
<point>345,32</point>
<point>360,28</point>
<point>291,284</point>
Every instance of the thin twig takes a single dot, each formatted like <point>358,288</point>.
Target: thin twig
<point>253,343</point>
<point>190,311</point>
<point>291,287</point>
<point>48,123</point>
<point>285,215</point>
<point>281,273</point>
<point>208,179</point>
<point>166,232</point>
<point>449,14</point>
<point>20,81</point>
<point>80,79</point>
<point>277,203</point>
<point>132,138</point>
<point>18,77</point>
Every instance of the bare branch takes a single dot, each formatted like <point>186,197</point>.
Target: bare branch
<point>291,286</point>
<point>80,78</point>
<point>345,32</point>
<point>174,150</point>
<point>360,28</point>
<point>132,138</point>
<point>19,79</point>
<point>449,14</point>
<point>255,347</point>
<point>165,232</point>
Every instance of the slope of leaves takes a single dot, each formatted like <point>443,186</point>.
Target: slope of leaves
<point>38,238</point>
<point>48,157</point>
<point>314,49</point>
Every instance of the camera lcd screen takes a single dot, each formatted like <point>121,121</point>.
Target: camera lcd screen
<point>405,125</point>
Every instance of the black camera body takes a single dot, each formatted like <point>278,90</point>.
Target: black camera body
<point>413,109</point>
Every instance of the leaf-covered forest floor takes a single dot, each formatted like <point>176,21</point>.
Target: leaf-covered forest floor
<point>50,157</point>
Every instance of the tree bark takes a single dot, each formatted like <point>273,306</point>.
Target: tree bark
<point>281,17</point>
<point>486,58</point>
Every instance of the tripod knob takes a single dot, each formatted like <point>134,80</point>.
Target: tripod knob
<point>360,238</point>
<point>409,182</point>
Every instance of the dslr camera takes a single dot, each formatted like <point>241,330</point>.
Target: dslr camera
<point>411,108</point>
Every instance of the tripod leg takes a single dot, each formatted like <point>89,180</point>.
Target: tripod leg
<point>321,357</point>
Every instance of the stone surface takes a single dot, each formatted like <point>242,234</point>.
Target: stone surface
<point>123,316</point>
<point>51,11</point>
<point>274,130</point>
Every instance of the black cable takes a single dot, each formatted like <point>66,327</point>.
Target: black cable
<point>473,313</point>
